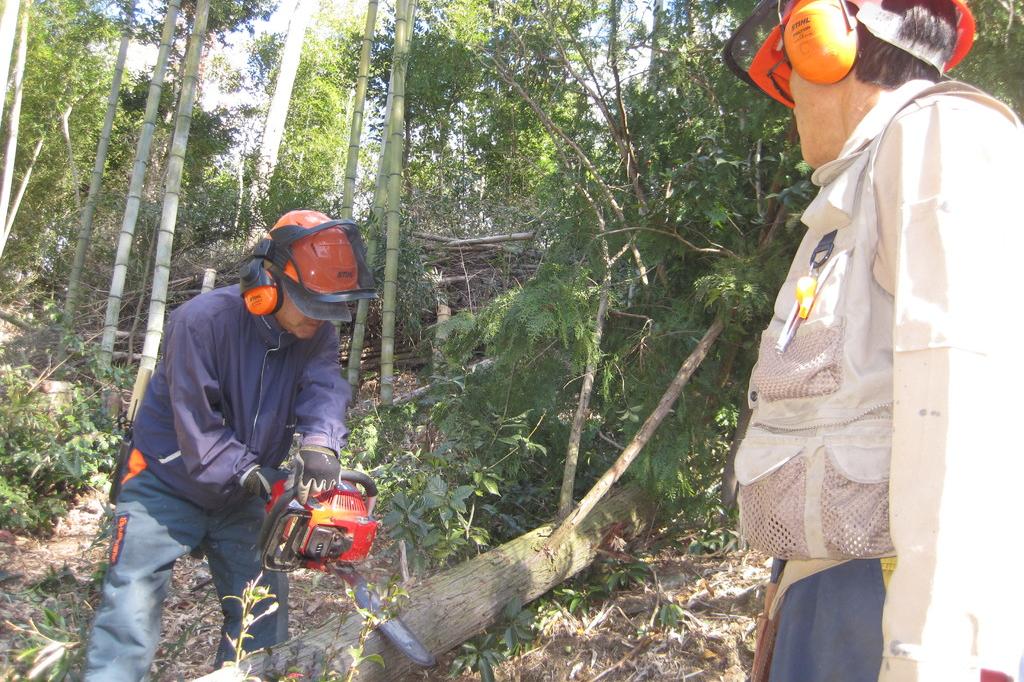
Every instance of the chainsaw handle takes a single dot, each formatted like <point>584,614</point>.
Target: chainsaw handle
<point>274,510</point>
<point>359,478</point>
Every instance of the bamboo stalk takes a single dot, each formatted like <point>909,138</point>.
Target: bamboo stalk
<point>374,223</point>
<point>277,113</point>
<point>8,27</point>
<point>16,204</point>
<point>394,210</point>
<point>92,198</point>
<point>13,122</point>
<point>131,209</point>
<point>356,133</point>
<point>476,241</point>
<point>209,280</point>
<point>172,189</point>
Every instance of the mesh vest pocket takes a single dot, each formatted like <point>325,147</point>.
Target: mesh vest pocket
<point>810,367</point>
<point>854,515</point>
<point>772,511</point>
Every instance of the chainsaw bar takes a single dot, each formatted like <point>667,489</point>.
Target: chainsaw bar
<point>396,632</point>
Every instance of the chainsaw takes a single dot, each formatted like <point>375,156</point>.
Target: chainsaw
<point>332,532</point>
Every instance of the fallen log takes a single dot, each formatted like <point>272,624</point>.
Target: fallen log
<point>451,606</point>
<point>477,241</point>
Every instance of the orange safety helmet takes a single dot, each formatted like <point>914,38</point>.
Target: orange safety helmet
<point>320,263</point>
<point>818,39</point>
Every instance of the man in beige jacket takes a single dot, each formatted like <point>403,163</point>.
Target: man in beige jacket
<point>881,467</point>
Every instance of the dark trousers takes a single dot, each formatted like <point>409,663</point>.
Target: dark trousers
<point>830,626</point>
<point>153,528</point>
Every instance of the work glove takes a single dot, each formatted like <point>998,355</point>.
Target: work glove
<point>316,470</point>
<point>257,480</point>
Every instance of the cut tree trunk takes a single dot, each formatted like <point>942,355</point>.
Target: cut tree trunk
<point>449,607</point>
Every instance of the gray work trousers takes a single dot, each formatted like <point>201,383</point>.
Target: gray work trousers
<point>152,528</point>
<point>830,626</point>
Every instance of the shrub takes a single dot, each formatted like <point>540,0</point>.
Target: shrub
<point>50,450</point>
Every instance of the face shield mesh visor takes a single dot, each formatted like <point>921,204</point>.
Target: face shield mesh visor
<point>325,261</point>
<point>755,52</point>
<point>323,267</point>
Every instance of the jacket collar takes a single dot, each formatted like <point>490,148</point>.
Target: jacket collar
<point>271,332</point>
<point>839,180</point>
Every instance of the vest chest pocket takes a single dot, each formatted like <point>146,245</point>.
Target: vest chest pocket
<point>811,365</point>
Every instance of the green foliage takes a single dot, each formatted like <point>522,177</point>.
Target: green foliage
<point>553,314</point>
<point>253,594</point>
<point>52,649</point>
<point>56,439</point>
<point>50,645</point>
<point>479,655</point>
<point>513,635</point>
<point>389,604</point>
<point>50,449</point>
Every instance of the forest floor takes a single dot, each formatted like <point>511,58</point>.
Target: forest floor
<point>52,584</point>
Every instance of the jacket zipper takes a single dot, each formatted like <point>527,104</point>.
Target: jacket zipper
<point>826,425</point>
<point>259,390</point>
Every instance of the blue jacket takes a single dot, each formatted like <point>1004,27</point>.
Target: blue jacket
<point>231,390</point>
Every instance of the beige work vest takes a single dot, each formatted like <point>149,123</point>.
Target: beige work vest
<point>813,468</point>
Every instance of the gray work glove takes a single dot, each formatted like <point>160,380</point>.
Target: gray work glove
<point>257,480</point>
<point>316,470</point>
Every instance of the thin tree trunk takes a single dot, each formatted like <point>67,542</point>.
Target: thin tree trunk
<point>651,425</point>
<point>277,114</point>
<point>13,122</point>
<point>444,313</point>
<point>172,187</point>
<point>352,162</point>
<point>572,452</point>
<point>8,28</point>
<point>135,187</point>
<point>76,178</point>
<point>394,211</point>
<point>374,224</point>
<point>16,204</point>
<point>451,606</point>
<point>657,29</point>
<point>85,231</point>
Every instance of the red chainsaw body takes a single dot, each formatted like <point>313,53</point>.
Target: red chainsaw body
<point>333,528</point>
<point>331,532</point>
<point>343,510</point>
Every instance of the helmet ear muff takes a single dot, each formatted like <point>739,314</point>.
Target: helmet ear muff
<point>260,289</point>
<point>821,40</point>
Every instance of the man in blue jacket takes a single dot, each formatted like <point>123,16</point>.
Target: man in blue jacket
<point>244,368</point>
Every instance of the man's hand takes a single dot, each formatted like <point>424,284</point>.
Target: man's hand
<point>260,481</point>
<point>316,470</point>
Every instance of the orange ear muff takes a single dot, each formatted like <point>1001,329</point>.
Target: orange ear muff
<point>821,40</point>
<point>260,290</point>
